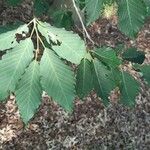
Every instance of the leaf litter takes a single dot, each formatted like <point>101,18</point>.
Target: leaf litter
<point>91,126</point>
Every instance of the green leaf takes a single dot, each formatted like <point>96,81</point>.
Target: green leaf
<point>40,7</point>
<point>102,81</point>
<point>29,91</point>
<point>13,2</point>
<point>134,56</point>
<point>69,46</point>
<point>131,16</point>
<point>119,48</point>
<point>147,3</point>
<point>9,27</point>
<point>109,2</point>
<point>93,10</point>
<point>13,65</point>
<point>129,89</point>
<point>84,78</point>
<point>57,79</point>
<point>62,18</point>
<point>108,56</point>
<point>145,69</point>
<point>115,76</point>
<point>81,4</point>
<point>8,39</point>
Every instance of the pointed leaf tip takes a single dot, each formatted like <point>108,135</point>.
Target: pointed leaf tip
<point>29,91</point>
<point>129,89</point>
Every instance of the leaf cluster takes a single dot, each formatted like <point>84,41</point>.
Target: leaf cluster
<point>24,72</point>
<point>35,55</point>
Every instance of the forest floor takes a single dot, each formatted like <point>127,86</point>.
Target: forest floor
<point>90,126</point>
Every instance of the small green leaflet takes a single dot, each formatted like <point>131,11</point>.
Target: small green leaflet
<point>13,65</point>
<point>147,3</point>
<point>109,2</point>
<point>93,10</point>
<point>29,91</point>
<point>131,15</point>
<point>70,46</point>
<point>129,89</point>
<point>84,78</point>
<point>145,69</point>
<point>80,4</point>
<point>57,79</point>
<point>62,19</point>
<point>102,81</point>
<point>10,27</point>
<point>40,7</point>
<point>13,2</point>
<point>108,56</point>
<point>134,56</point>
<point>115,76</point>
<point>8,39</point>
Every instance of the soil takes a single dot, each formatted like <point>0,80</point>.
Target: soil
<point>91,126</point>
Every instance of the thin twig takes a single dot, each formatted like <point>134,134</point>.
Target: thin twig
<point>38,46</point>
<point>37,34</point>
<point>32,32</point>
<point>83,26</point>
<point>37,38</point>
<point>30,22</point>
<point>34,26</point>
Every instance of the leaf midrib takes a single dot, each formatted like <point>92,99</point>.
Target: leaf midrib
<point>104,57</point>
<point>29,95</point>
<point>126,91</point>
<point>128,10</point>
<point>99,81</point>
<point>83,75</point>
<point>93,11</point>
